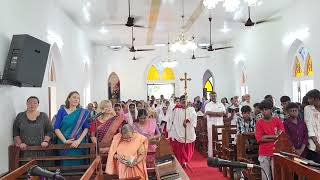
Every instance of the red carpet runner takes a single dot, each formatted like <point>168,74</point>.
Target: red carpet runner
<point>198,169</point>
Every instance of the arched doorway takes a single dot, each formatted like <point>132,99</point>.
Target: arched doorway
<point>114,87</point>
<point>208,84</point>
<point>301,71</point>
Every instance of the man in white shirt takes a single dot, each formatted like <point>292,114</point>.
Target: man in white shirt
<point>312,119</point>
<point>214,111</point>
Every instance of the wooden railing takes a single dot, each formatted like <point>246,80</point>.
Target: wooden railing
<point>95,167</point>
<point>15,160</point>
<point>286,168</point>
<point>19,171</point>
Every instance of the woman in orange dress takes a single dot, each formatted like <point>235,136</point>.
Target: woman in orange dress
<point>127,154</point>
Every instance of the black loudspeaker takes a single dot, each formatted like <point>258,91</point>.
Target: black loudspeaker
<point>26,61</point>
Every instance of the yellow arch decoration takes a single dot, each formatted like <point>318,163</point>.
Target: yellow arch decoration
<point>153,74</point>
<point>208,86</point>
<point>167,74</point>
<point>309,69</point>
<point>297,68</point>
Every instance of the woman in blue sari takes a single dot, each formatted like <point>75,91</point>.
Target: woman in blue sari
<point>71,127</point>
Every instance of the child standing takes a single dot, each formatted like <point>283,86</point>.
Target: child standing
<point>267,130</point>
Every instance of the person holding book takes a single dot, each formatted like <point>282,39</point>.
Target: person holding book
<point>267,130</point>
<point>127,154</point>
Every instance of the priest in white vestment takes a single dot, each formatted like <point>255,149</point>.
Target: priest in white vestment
<point>182,144</point>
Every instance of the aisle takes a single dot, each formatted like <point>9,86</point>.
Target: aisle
<point>198,170</point>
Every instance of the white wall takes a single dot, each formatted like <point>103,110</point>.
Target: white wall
<point>36,17</point>
<point>267,62</point>
<point>132,74</point>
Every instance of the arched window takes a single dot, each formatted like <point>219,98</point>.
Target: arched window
<point>309,70</point>
<point>114,87</point>
<point>153,74</point>
<point>167,74</point>
<point>297,68</point>
<point>302,73</point>
<point>208,84</point>
<point>160,85</point>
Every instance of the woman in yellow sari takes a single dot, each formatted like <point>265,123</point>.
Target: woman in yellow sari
<point>127,154</point>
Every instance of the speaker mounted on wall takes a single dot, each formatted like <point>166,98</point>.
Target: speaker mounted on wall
<point>26,61</point>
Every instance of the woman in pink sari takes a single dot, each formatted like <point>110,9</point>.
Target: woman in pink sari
<point>108,125</point>
<point>127,154</point>
<point>148,127</point>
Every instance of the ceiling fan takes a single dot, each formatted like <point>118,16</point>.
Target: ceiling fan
<point>131,21</point>
<point>249,22</point>
<point>133,49</point>
<point>197,57</point>
<point>210,48</point>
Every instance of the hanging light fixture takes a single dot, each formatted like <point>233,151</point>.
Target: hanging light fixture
<point>229,5</point>
<point>251,2</point>
<point>211,4</point>
<point>182,44</point>
<point>168,62</point>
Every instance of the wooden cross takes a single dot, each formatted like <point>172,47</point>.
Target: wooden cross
<point>185,79</point>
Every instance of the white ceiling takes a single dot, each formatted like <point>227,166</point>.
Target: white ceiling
<point>103,12</point>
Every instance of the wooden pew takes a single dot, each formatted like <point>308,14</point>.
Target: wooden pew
<point>285,168</point>
<point>15,160</point>
<point>15,174</point>
<point>228,148</point>
<point>164,148</point>
<point>248,153</point>
<point>217,140</point>
<point>202,135</point>
<point>282,144</point>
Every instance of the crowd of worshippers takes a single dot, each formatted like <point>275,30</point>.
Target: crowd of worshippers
<point>129,131</point>
<point>300,121</point>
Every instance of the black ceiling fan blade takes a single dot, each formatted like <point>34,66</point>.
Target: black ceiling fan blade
<point>227,47</point>
<point>268,20</point>
<point>145,49</point>
<point>140,26</point>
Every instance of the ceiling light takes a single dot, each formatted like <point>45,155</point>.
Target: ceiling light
<point>103,30</point>
<point>182,44</point>
<point>231,5</point>
<point>211,4</point>
<point>300,34</point>
<point>160,44</point>
<point>251,2</point>
<point>225,28</point>
<point>260,3</point>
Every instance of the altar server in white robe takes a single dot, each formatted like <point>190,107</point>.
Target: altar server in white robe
<point>182,144</point>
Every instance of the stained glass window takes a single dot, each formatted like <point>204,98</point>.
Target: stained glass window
<point>167,74</point>
<point>297,68</point>
<point>309,70</point>
<point>153,74</point>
